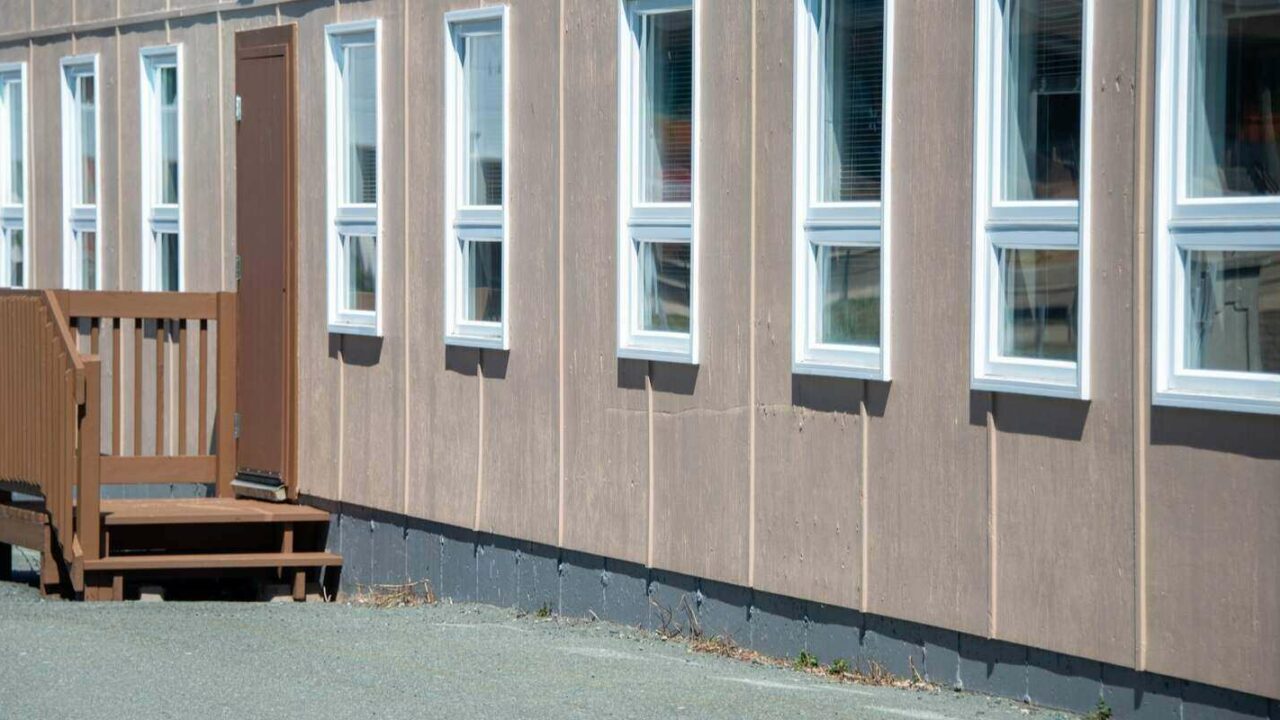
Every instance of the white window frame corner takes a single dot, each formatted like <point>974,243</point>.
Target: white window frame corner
<point>76,218</point>
<point>1047,224</point>
<point>1184,223</point>
<point>149,102</point>
<point>853,224</point>
<point>369,220</point>
<point>23,221</point>
<point>653,221</point>
<point>462,221</point>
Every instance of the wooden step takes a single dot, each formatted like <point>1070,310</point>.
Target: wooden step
<point>203,511</point>
<point>213,561</point>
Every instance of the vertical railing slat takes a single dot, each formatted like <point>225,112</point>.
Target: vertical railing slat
<point>161,331</point>
<point>226,392</point>
<point>182,387</point>
<point>202,401</point>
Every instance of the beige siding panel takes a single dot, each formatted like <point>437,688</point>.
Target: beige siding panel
<point>606,436</point>
<point>701,414</point>
<point>1213,527</point>
<point>1066,465</point>
<point>44,196</point>
<point>319,379</point>
<point>927,444</point>
<point>130,8</point>
<point>521,432</point>
<point>808,430</point>
<point>93,10</point>
<point>373,437</point>
<point>15,15</point>
<point>201,174</point>
<point>444,389</point>
<point>108,87</point>
<point>51,13</point>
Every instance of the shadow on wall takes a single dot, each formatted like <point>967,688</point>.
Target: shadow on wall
<point>1256,436</point>
<point>462,360</point>
<point>495,363</point>
<point>666,377</point>
<point>1059,418</point>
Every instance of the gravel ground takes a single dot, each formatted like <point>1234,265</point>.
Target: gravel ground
<point>243,660</point>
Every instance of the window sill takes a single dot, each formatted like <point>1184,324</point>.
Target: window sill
<point>668,355</point>
<point>482,342</point>
<point>353,329</point>
<point>832,368</point>
<point>1220,402</point>
<point>1029,386</point>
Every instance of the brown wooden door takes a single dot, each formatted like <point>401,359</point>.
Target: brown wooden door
<point>266,253</point>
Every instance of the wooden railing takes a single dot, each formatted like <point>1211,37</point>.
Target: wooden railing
<point>50,414</point>
<point>176,350</point>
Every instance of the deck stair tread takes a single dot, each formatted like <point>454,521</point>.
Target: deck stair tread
<point>197,511</point>
<point>215,560</point>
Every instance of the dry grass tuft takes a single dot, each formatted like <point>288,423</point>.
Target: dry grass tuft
<point>394,596</point>
<point>862,673</point>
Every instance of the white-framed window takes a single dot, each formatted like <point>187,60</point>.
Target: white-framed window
<point>81,175</point>
<point>476,297</point>
<point>162,140</point>
<point>841,260</point>
<point>657,180</point>
<point>1217,241</point>
<point>15,248</point>
<point>1031,188</point>
<point>354,112</point>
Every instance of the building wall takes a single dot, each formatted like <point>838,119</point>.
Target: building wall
<point>1106,529</point>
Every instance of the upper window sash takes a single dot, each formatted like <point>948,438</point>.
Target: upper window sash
<point>354,172</point>
<point>162,137</point>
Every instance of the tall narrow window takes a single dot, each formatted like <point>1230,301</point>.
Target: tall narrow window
<point>1031,271</point>
<point>81,259</point>
<point>1217,286</point>
<point>475,236</point>
<point>14,250</point>
<point>161,127</point>
<point>841,277</point>
<point>657,248</point>
<point>355,258</point>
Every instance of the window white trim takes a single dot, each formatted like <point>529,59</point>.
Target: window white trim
<point>639,223</point>
<point>816,223</point>
<point>14,217</point>
<point>464,223</point>
<point>344,219</point>
<point>1000,224</point>
<point>157,217</point>
<point>1185,223</point>
<point>79,218</point>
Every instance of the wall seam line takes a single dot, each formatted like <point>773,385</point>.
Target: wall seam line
<point>1142,192</point>
<point>993,521</point>
<point>864,595</point>
<point>119,170</point>
<point>751,328</point>
<point>408,286</point>
<point>479,438</point>
<point>648,391</point>
<point>560,369</point>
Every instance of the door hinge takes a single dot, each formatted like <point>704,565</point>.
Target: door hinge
<point>239,108</point>
<point>235,426</point>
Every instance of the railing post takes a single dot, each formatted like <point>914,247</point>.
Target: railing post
<point>226,392</point>
<point>90,494</point>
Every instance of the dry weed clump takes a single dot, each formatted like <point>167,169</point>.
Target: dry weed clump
<point>395,595</point>
<point>690,632</point>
